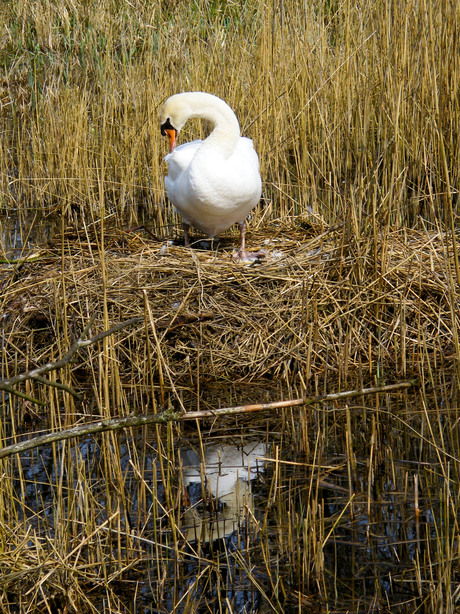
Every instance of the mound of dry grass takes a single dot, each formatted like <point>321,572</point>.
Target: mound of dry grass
<point>321,310</point>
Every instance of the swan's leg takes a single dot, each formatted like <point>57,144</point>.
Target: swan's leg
<point>242,253</point>
<point>186,226</point>
<point>242,228</point>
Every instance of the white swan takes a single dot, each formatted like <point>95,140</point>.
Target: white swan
<point>212,183</point>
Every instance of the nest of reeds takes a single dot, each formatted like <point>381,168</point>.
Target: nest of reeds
<point>321,309</point>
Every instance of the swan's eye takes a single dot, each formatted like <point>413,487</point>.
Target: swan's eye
<point>166,126</point>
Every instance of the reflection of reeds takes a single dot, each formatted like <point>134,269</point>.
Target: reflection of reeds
<point>354,112</point>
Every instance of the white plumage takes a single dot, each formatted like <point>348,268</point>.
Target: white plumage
<point>216,182</point>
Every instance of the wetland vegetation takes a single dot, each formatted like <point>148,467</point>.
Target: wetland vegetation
<point>341,504</point>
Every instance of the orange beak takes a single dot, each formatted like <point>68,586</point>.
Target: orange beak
<point>172,135</point>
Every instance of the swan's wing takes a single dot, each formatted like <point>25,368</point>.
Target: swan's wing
<point>246,145</point>
<point>246,154</point>
<point>210,191</point>
<point>235,182</point>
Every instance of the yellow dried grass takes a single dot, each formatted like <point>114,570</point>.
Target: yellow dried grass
<point>318,304</point>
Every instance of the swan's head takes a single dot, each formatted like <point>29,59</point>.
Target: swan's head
<point>181,107</point>
<point>173,116</point>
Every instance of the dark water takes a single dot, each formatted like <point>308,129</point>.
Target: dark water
<point>371,539</point>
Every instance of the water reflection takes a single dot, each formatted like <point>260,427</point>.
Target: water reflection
<point>219,487</point>
<point>369,538</point>
<point>12,244</point>
<point>216,571</point>
<point>23,236</point>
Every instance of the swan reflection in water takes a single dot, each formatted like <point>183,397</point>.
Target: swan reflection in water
<point>219,488</point>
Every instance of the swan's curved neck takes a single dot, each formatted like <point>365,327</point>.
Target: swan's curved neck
<point>226,132</point>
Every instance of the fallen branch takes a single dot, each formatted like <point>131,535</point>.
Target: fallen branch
<point>37,374</point>
<point>115,424</point>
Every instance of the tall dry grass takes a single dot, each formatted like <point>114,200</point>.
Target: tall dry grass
<point>354,108</point>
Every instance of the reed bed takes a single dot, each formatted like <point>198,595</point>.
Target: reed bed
<point>354,110</point>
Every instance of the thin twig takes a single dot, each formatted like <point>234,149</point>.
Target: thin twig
<point>22,395</point>
<point>58,385</point>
